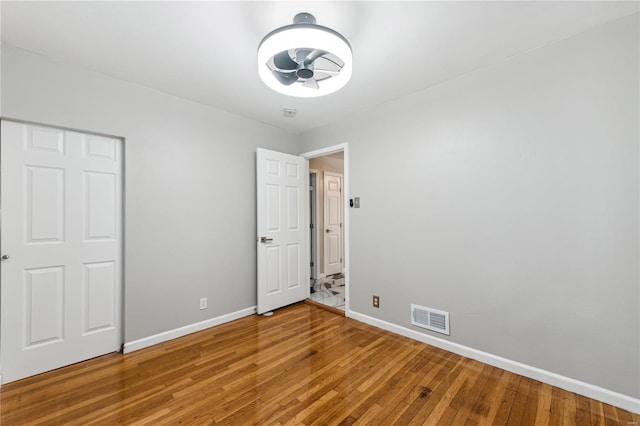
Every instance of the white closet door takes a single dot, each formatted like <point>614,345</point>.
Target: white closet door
<point>62,248</point>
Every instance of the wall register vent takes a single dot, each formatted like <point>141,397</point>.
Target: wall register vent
<point>431,319</point>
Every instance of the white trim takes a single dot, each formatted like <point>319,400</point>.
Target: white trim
<point>187,329</point>
<point>344,147</point>
<point>591,391</point>
<point>307,239</point>
<point>326,151</point>
<point>314,212</point>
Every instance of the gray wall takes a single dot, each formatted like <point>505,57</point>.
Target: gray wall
<point>190,186</point>
<point>509,197</point>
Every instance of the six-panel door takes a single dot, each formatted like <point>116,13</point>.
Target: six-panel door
<point>283,221</point>
<point>62,232</point>
<point>332,223</point>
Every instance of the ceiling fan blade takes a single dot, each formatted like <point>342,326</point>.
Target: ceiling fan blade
<point>283,61</point>
<point>327,63</point>
<point>321,76</point>
<point>311,82</point>
<point>315,54</point>
<point>301,53</point>
<point>286,78</point>
<point>329,72</point>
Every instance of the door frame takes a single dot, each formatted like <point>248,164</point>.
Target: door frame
<point>123,218</point>
<point>344,147</point>
<point>313,214</point>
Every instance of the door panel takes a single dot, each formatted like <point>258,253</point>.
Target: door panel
<point>281,211</point>
<point>100,206</point>
<point>333,244</point>
<point>273,270</point>
<point>44,194</point>
<point>100,148</point>
<point>332,223</point>
<point>62,228</point>
<point>293,209</point>
<point>44,296</point>
<point>100,291</point>
<point>293,266</point>
<point>45,139</point>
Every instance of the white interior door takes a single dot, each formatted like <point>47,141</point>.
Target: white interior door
<point>332,223</point>
<point>61,273</point>
<point>282,221</point>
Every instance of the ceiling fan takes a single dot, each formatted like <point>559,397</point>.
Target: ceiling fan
<point>305,66</point>
<point>304,59</point>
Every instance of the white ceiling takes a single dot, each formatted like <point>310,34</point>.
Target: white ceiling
<point>206,51</point>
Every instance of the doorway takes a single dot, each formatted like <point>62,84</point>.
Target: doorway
<point>284,254</point>
<point>328,224</point>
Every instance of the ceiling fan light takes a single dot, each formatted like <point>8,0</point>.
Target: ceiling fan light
<point>305,36</point>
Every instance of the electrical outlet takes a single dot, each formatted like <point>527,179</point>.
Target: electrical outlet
<point>376,301</point>
<point>203,303</point>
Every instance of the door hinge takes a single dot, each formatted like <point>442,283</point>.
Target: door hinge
<point>312,264</point>
<point>311,225</point>
<point>340,260</point>
<point>340,225</point>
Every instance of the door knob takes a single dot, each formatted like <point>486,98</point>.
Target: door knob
<point>264,240</point>
<point>328,231</point>
<point>5,256</point>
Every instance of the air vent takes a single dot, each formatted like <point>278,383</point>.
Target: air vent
<point>431,319</point>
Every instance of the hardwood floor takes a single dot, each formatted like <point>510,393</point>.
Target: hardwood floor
<point>303,365</point>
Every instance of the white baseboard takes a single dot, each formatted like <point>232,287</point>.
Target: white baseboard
<point>187,329</point>
<point>595,392</point>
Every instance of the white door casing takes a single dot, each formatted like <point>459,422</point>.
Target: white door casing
<point>282,226</point>
<point>61,295</point>
<point>346,194</point>
<point>313,226</point>
<point>332,223</point>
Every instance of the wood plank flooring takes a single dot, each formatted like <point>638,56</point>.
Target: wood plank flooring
<point>301,366</point>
